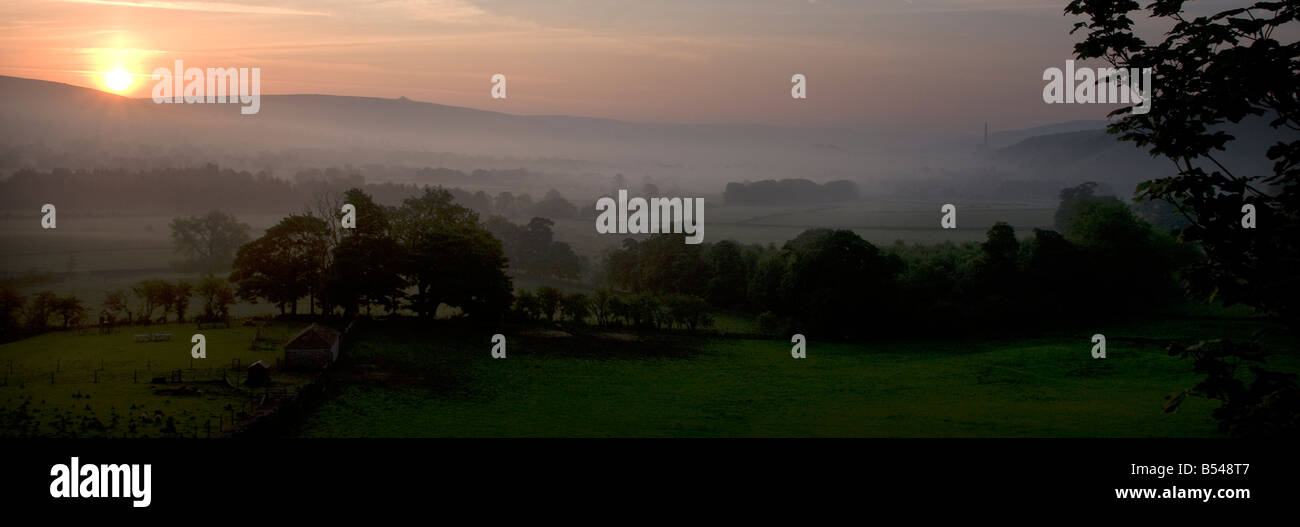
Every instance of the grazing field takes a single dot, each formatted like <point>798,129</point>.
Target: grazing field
<point>83,384</point>
<point>720,386</point>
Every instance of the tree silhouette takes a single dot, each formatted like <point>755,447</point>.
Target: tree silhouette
<point>208,242</point>
<point>1207,72</point>
<point>285,264</point>
<point>450,258</point>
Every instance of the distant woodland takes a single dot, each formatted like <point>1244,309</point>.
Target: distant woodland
<point>208,187</point>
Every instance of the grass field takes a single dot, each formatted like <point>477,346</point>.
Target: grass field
<point>438,380</point>
<point>724,387</point>
<point>97,377</point>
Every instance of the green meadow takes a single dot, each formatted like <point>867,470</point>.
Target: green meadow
<point>716,386</point>
<point>405,378</point>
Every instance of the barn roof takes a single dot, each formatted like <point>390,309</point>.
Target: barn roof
<point>314,336</point>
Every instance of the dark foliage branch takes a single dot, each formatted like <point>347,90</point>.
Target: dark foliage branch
<point>1208,72</point>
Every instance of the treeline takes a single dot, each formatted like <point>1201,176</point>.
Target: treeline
<point>552,205</point>
<point>1108,262</point>
<point>149,297</point>
<point>605,308</point>
<point>210,187</point>
<point>23,316</point>
<point>789,192</point>
<point>172,189</point>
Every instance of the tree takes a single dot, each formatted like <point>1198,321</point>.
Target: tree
<point>367,263</point>
<point>285,264</point>
<point>527,306</point>
<point>39,309</point>
<point>728,275</point>
<point>1128,260</point>
<point>837,283</point>
<point>553,205</point>
<point>208,242</point>
<point>548,302</point>
<point>117,304</point>
<point>999,270</point>
<point>602,307</point>
<point>664,263</point>
<point>327,205</point>
<point>1209,71</point>
<point>181,293</point>
<point>643,311</point>
<point>1055,269</point>
<point>575,307</point>
<point>71,310</point>
<point>532,249</point>
<point>151,294</point>
<point>217,297</point>
<point>450,258</point>
<point>11,308</point>
<point>1070,198</point>
<point>689,311</point>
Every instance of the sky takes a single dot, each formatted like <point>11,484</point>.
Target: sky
<point>905,65</point>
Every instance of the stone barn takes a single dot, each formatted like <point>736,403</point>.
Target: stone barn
<point>313,348</point>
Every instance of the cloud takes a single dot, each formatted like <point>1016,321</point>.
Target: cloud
<point>210,7</point>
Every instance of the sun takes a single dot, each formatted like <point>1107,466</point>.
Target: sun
<point>117,80</point>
